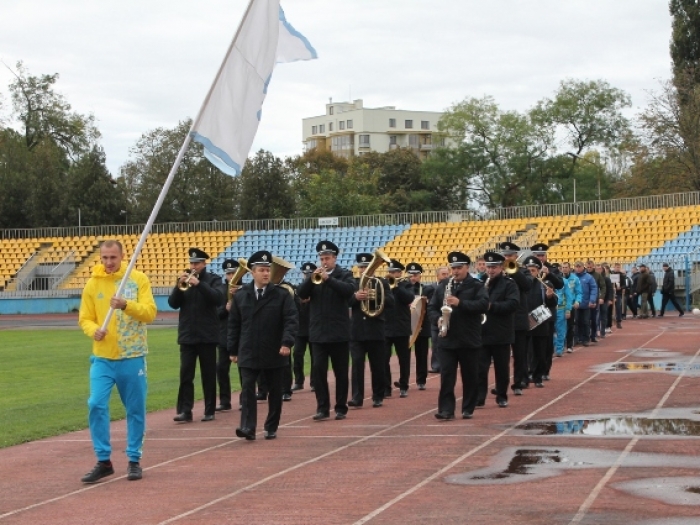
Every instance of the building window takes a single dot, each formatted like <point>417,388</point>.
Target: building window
<point>349,124</point>
<point>330,110</point>
<point>364,140</point>
<point>341,125</point>
<point>392,140</point>
<point>330,126</point>
<point>322,128</point>
<point>311,144</point>
<point>413,141</point>
<point>424,124</point>
<point>392,122</point>
<point>314,130</point>
<point>341,143</point>
<point>408,124</point>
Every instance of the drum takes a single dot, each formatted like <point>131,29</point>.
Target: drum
<point>538,316</point>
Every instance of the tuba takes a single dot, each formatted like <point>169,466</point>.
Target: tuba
<point>237,276</point>
<point>373,285</point>
<point>186,284</point>
<point>278,269</point>
<point>444,321</point>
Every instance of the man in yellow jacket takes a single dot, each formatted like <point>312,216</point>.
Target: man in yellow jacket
<point>119,355</point>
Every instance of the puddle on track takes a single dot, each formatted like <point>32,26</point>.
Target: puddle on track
<point>614,426</point>
<point>675,367</point>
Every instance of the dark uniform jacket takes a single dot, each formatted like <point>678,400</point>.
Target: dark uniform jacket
<point>554,277</point>
<point>364,327</point>
<point>669,284</point>
<point>398,318</point>
<point>427,291</point>
<point>523,280</point>
<point>504,299</point>
<point>304,309</point>
<point>198,320</point>
<point>465,319</point>
<point>223,317</point>
<point>258,328</point>
<point>329,320</point>
<point>536,297</point>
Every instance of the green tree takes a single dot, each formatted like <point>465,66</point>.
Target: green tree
<point>685,38</point>
<point>400,184</point>
<point>266,192</point>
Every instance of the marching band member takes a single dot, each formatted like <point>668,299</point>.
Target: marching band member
<point>398,330</point>
<point>467,299</point>
<point>498,332</point>
<point>329,328</point>
<point>415,273</point>
<point>441,273</point>
<point>223,364</point>
<point>302,339</point>
<point>367,338</point>
<point>263,322</point>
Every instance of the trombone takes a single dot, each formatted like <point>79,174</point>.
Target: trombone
<point>187,284</point>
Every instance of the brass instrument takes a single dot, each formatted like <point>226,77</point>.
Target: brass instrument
<point>278,269</point>
<point>444,321</point>
<point>511,267</point>
<point>237,276</point>
<point>486,285</point>
<point>373,286</point>
<point>186,284</point>
<point>316,277</point>
<point>394,282</point>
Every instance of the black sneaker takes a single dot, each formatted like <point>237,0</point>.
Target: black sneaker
<point>133,471</point>
<point>101,470</point>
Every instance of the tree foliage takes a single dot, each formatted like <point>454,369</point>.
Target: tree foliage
<point>265,188</point>
<point>685,39</point>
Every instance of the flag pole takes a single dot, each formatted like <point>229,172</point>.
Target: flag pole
<point>171,176</point>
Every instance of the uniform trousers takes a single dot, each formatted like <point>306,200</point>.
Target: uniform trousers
<point>561,336</point>
<point>468,361</point>
<point>206,352</point>
<point>539,350</point>
<point>129,376</point>
<point>249,409</point>
<point>403,352</point>
<point>374,350</point>
<point>263,388</point>
<point>501,366</point>
<point>223,376</point>
<point>549,350</point>
<point>339,355</point>
<point>520,344</point>
<point>571,328</point>
<point>300,344</point>
<point>602,319</point>
<point>435,352</point>
<point>421,350</point>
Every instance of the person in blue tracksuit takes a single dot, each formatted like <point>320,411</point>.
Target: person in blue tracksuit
<point>572,282</point>
<point>567,298</point>
<point>589,302</point>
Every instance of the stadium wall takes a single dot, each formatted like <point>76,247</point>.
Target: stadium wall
<point>56,305</point>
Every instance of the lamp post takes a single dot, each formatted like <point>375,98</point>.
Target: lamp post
<point>574,156</point>
<point>126,218</point>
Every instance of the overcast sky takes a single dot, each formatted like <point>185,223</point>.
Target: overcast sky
<point>138,65</point>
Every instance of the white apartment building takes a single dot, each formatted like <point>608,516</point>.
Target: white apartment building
<point>348,128</point>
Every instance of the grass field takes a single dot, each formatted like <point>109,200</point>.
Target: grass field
<point>44,382</point>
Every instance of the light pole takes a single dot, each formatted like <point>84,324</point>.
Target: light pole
<point>573,155</point>
<point>126,218</point>
<point>573,177</point>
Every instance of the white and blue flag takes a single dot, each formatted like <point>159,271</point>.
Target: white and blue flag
<point>229,118</point>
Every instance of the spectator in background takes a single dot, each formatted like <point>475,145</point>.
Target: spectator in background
<point>589,302</point>
<point>634,294</point>
<point>621,293</point>
<point>652,292</point>
<point>643,290</point>
<point>668,288</point>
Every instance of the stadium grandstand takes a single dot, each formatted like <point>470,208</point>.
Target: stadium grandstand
<point>56,262</point>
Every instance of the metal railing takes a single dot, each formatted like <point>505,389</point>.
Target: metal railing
<point>672,200</point>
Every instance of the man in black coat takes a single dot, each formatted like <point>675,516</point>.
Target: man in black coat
<point>668,291</point>
<point>523,280</point>
<point>422,343</point>
<point>367,336</point>
<point>398,330</point>
<point>329,328</point>
<point>498,332</point>
<point>302,340</point>
<point>263,323</point>
<point>223,364</point>
<point>461,340</point>
<point>441,273</point>
<point>539,295</point>
<point>197,333</point>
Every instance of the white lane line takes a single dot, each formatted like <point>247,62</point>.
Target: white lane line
<point>486,443</point>
<point>586,505</point>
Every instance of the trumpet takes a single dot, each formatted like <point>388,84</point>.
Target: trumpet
<point>316,277</point>
<point>186,284</point>
<point>237,276</point>
<point>373,286</point>
<point>394,282</point>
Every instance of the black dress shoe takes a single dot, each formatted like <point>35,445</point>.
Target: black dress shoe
<point>397,384</point>
<point>247,433</point>
<point>101,470</point>
<point>480,403</point>
<point>313,388</point>
<point>183,417</point>
<point>268,434</point>
<point>321,416</point>
<point>340,415</point>
<point>539,385</point>
<point>208,417</point>
<point>518,391</point>
<point>502,403</point>
<point>444,416</point>
<point>433,371</point>
<point>353,403</point>
<point>387,393</point>
<point>286,397</point>
<point>377,403</point>
<point>261,396</point>
<point>467,415</point>
<point>546,378</point>
<point>494,391</point>
<point>297,386</point>
<point>223,408</point>
<point>404,393</point>
<point>421,386</point>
